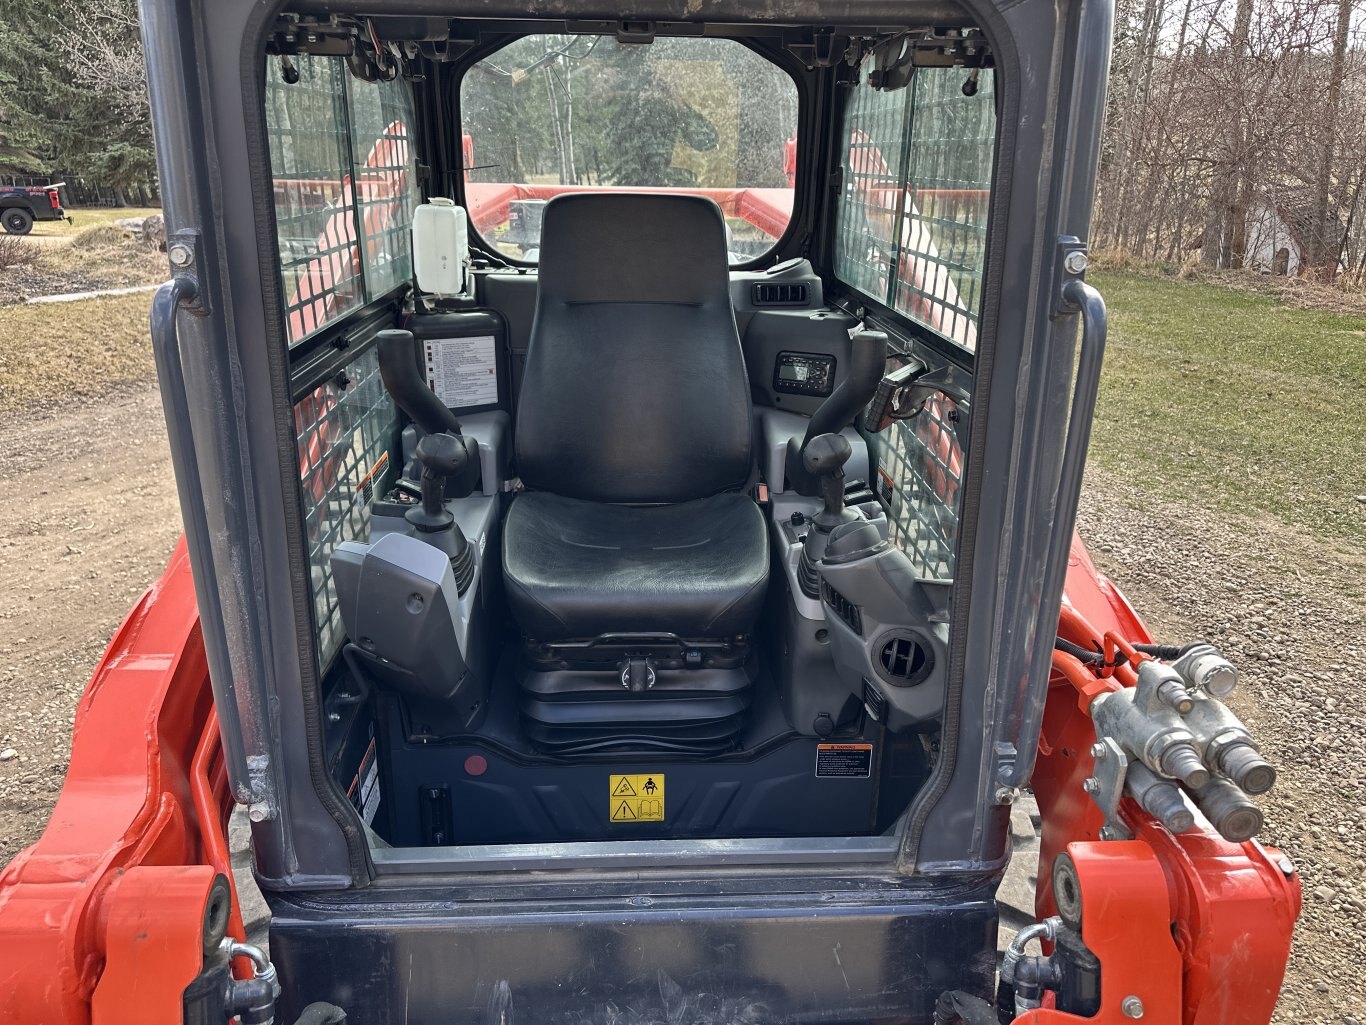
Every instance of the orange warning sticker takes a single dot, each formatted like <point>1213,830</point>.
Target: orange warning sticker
<point>844,761</point>
<point>636,798</point>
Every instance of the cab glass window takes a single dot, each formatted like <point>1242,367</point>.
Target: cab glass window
<point>563,113</point>
<point>344,188</point>
<point>342,177</point>
<point>912,218</point>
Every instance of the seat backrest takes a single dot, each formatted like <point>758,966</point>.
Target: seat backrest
<point>635,388</point>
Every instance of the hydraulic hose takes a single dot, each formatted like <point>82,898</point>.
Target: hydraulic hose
<point>1166,651</point>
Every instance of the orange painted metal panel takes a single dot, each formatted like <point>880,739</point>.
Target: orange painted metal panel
<point>127,807</point>
<point>1228,910</point>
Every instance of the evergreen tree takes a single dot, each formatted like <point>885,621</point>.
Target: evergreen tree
<point>72,92</point>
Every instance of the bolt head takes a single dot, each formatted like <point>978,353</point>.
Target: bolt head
<point>1075,262</point>
<point>1286,866</point>
<point>1109,833</point>
<point>1132,1007</point>
<point>1098,750</point>
<point>180,255</point>
<point>1091,785</point>
<point>260,812</point>
<point>1005,795</point>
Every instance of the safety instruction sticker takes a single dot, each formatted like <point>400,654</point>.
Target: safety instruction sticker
<point>364,789</point>
<point>463,371</point>
<point>847,761</point>
<point>637,798</point>
<point>886,486</point>
<point>366,488</point>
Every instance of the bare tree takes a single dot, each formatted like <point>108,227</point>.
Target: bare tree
<point>1236,128</point>
<point>106,53</point>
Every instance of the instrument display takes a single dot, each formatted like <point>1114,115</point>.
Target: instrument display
<point>804,373</point>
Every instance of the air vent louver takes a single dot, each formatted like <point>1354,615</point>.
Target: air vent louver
<point>843,608</point>
<point>903,661</point>
<point>779,294</point>
<point>874,703</point>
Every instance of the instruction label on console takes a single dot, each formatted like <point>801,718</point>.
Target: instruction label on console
<point>636,798</point>
<point>463,371</point>
<point>844,761</point>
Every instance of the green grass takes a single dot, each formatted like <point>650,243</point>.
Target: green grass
<point>1236,400</point>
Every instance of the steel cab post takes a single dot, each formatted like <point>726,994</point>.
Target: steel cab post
<point>629,464</point>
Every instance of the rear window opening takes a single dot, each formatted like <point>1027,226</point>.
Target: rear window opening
<point>550,114</point>
<point>462,725</point>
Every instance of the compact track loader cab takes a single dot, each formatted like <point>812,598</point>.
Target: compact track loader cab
<point>632,560</point>
<point>638,647</point>
<point>629,462</point>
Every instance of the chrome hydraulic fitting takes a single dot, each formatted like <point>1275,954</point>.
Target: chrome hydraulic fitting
<point>1045,931</point>
<point>1207,671</point>
<point>1171,727</point>
<point>1160,798</point>
<point>252,1000</point>
<point>1227,746</point>
<point>1151,731</point>
<point>1161,686</point>
<point>1229,810</point>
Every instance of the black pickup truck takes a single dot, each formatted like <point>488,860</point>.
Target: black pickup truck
<point>21,205</point>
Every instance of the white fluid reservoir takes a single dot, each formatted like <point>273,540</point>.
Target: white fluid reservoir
<point>441,247</point>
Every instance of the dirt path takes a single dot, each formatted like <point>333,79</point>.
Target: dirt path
<point>89,514</point>
<point>89,508</point>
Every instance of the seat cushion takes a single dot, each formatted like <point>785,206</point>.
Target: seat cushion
<point>576,569</point>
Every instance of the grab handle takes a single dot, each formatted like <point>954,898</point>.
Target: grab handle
<point>1078,297</point>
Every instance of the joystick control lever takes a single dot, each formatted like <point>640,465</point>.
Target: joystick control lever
<point>824,458</point>
<point>442,456</point>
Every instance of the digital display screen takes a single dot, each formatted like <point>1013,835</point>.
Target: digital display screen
<point>804,373</point>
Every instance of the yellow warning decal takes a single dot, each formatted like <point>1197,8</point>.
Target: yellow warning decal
<point>636,798</point>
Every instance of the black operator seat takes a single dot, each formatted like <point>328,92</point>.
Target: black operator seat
<point>633,431</point>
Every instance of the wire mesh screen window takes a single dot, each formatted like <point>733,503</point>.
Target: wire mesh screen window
<point>344,188</point>
<point>919,473</point>
<point>917,183</point>
<point>343,436</point>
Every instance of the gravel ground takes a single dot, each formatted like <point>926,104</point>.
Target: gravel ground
<point>91,512</point>
<point>1288,610</point>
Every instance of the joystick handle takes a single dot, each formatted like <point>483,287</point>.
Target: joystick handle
<point>824,457</point>
<point>441,455</point>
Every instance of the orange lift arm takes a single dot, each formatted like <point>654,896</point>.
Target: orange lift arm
<point>108,917</point>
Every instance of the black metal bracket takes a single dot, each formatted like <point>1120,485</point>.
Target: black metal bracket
<point>1070,266</point>
<point>184,251</point>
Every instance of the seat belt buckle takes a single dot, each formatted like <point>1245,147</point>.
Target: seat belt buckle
<point>760,493</point>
